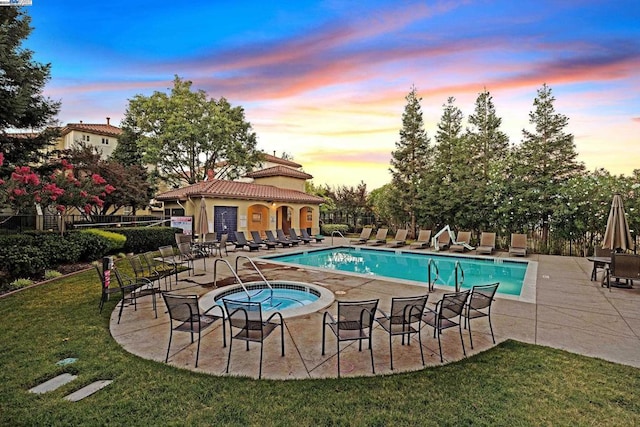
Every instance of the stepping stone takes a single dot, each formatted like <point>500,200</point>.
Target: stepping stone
<point>67,361</point>
<point>53,383</point>
<point>87,390</point>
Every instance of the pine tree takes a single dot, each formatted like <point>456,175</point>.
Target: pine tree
<point>545,160</point>
<point>411,158</point>
<point>488,148</point>
<point>22,105</point>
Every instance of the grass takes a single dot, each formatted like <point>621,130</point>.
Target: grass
<point>512,384</point>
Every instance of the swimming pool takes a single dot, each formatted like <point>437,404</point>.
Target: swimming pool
<point>515,276</point>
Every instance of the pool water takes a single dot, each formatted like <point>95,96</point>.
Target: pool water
<point>281,299</point>
<point>413,266</point>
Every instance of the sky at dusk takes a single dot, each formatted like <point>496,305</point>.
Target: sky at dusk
<point>326,81</point>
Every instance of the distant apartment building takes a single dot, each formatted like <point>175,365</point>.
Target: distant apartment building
<point>102,136</point>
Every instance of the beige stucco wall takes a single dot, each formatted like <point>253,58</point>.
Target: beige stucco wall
<point>95,140</point>
<point>267,216</point>
<point>282,182</point>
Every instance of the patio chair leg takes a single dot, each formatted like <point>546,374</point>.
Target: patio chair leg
<point>440,347</point>
<point>338,354</point>
<point>373,368</point>
<point>198,349</point>
<point>391,349</point>
<point>323,335</point>
<point>470,337</point>
<point>166,359</point>
<point>230,348</point>
<point>491,328</point>
<point>461,339</point>
<point>420,343</point>
<point>260,371</point>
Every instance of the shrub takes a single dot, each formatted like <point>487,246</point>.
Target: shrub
<point>92,246</point>
<point>327,229</point>
<point>56,249</point>
<point>116,240</point>
<point>51,274</point>
<point>25,261</point>
<point>143,239</point>
<point>21,283</point>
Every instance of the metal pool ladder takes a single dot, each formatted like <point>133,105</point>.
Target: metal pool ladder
<point>255,267</point>
<point>429,267</point>
<point>334,232</point>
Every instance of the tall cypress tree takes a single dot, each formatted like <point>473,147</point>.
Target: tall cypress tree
<point>411,158</point>
<point>545,160</point>
<point>22,105</point>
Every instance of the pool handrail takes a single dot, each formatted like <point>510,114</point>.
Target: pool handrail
<point>215,270</point>
<point>337,232</point>
<point>255,267</point>
<point>430,284</point>
<point>458,267</point>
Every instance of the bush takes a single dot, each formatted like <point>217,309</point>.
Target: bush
<point>24,261</point>
<point>327,229</point>
<point>143,239</point>
<point>116,240</point>
<point>21,283</point>
<point>92,246</point>
<point>57,249</point>
<point>51,274</point>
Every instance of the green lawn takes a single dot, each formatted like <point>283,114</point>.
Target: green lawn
<point>512,384</point>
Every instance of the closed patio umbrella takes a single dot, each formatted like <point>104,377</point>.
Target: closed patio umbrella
<point>617,235</point>
<point>203,221</point>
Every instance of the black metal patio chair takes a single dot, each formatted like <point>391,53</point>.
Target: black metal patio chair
<point>479,305</point>
<point>447,314</point>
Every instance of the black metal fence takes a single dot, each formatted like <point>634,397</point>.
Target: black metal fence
<point>22,223</point>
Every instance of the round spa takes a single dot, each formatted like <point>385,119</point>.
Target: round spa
<point>291,299</point>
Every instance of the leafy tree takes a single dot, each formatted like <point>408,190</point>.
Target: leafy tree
<point>133,190</point>
<point>185,134</point>
<point>128,151</point>
<point>409,161</point>
<point>350,202</point>
<point>22,105</point>
<point>544,161</point>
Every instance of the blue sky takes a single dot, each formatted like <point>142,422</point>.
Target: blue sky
<point>325,81</point>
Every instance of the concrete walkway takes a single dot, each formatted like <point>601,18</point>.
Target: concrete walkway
<point>571,313</point>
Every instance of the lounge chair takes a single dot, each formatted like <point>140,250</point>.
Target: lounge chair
<point>271,238</point>
<point>255,235</point>
<point>479,305</point>
<point>185,311</point>
<point>294,236</point>
<point>319,238</point>
<point>518,245</point>
<point>487,243</point>
<point>380,239</point>
<point>405,312</point>
<point>283,237</point>
<point>462,242</point>
<point>241,242</point>
<point>444,241</point>
<point>400,239</point>
<point>423,241</point>
<point>246,316</point>
<point>444,316</point>
<point>354,322</point>
<point>365,234</point>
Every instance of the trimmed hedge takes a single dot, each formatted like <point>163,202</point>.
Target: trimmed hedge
<point>143,239</point>
<point>327,229</point>
<point>92,246</point>
<point>116,240</point>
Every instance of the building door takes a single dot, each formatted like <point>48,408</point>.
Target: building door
<point>225,219</point>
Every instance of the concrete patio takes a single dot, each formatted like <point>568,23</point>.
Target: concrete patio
<point>571,313</point>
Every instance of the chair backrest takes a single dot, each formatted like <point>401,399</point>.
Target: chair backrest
<point>464,237</point>
<point>255,235</point>
<point>185,249</point>
<point>482,296</point>
<point>599,251</point>
<point>136,265</point>
<point>355,315</point>
<point>240,237</point>
<point>209,237</point>
<point>405,310</point>
<point>452,304</point>
<point>270,236</point>
<point>280,234</point>
<point>304,233</point>
<point>292,233</point>
<point>182,238</point>
<point>424,236</point>
<point>401,235</point>
<point>182,308</point>
<point>244,314</point>
<point>166,252</point>
<point>365,233</point>
<point>223,240</point>
<point>488,239</point>
<point>381,234</point>
<point>444,238</point>
<point>625,265</point>
<point>519,241</point>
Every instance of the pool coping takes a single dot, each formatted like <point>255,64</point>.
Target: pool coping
<point>527,292</point>
<point>325,299</point>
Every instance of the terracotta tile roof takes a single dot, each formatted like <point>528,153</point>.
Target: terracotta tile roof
<point>274,159</point>
<point>279,171</point>
<point>97,128</point>
<point>22,135</point>
<point>239,190</point>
